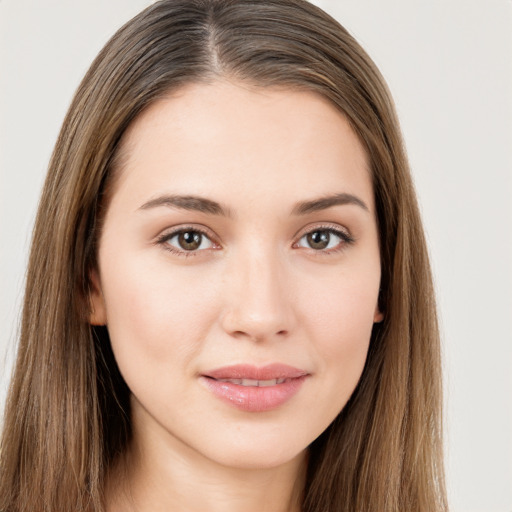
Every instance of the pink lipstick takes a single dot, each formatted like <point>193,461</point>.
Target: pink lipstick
<point>254,389</point>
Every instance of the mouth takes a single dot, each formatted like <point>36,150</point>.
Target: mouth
<point>248,373</point>
<point>251,382</point>
<point>255,389</point>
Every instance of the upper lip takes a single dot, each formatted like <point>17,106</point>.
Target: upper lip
<point>247,371</point>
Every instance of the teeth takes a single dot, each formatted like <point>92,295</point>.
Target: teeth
<point>263,383</point>
<point>249,382</point>
<point>254,383</point>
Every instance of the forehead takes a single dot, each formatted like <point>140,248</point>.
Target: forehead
<point>223,138</point>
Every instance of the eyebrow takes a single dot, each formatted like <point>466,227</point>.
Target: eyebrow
<point>323,203</point>
<point>204,205</point>
<point>192,203</point>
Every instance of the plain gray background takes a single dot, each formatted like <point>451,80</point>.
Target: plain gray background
<point>449,67</point>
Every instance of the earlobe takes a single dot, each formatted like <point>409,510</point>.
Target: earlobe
<point>97,315</point>
<point>378,316</point>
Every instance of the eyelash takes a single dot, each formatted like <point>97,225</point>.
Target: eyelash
<point>345,240</point>
<point>165,237</point>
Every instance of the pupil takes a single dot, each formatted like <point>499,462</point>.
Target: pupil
<point>190,240</point>
<point>319,239</point>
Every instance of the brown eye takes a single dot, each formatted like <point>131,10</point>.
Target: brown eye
<point>189,240</point>
<point>324,240</point>
<point>318,239</point>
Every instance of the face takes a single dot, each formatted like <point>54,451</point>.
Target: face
<point>239,271</point>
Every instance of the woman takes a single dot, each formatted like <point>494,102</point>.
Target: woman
<point>233,307</point>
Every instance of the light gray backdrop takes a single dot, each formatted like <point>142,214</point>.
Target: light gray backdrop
<point>449,66</point>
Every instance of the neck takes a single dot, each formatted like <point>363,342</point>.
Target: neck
<point>157,478</point>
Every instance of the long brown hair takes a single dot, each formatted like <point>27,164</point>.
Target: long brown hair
<point>67,415</point>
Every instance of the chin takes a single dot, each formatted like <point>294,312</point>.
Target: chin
<point>256,450</point>
<point>259,458</point>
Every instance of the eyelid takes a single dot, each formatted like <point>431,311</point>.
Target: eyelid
<point>338,230</point>
<point>328,226</point>
<point>169,233</point>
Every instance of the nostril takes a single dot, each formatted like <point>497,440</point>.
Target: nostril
<point>258,335</point>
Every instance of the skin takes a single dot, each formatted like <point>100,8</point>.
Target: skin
<point>254,292</point>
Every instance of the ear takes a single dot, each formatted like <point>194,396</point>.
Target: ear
<point>378,316</point>
<point>98,314</point>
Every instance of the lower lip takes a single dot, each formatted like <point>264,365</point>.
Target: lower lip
<point>253,398</point>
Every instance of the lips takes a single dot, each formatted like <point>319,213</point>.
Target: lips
<point>254,389</point>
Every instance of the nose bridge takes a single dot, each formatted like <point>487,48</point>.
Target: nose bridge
<point>259,305</point>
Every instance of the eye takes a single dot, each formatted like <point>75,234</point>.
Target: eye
<point>187,240</point>
<point>324,239</point>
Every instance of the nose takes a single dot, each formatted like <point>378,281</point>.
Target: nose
<point>260,300</point>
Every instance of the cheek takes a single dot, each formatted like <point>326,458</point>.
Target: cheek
<point>155,319</point>
<point>343,330</point>
<point>342,305</point>
<point>341,319</point>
